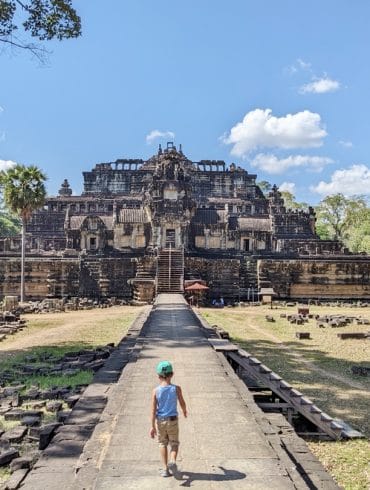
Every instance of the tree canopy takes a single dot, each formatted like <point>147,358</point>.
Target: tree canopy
<point>23,190</point>
<point>9,224</point>
<point>40,19</point>
<point>346,219</point>
<point>290,201</point>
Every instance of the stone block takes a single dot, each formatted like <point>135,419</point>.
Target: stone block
<point>21,463</point>
<point>46,434</point>
<point>303,335</point>
<point>54,406</point>
<point>30,421</point>
<point>16,434</point>
<point>16,479</point>
<point>7,456</point>
<point>14,414</point>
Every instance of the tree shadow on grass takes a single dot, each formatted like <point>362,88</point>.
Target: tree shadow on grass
<point>336,397</point>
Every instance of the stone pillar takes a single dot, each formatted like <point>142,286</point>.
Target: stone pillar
<point>206,238</point>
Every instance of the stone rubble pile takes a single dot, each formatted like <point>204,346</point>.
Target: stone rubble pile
<point>32,415</point>
<point>48,365</point>
<point>55,305</point>
<point>10,323</point>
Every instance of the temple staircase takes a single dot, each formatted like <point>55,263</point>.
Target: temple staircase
<point>170,271</point>
<point>95,282</point>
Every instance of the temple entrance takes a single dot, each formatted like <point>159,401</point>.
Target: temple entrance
<point>246,245</point>
<point>170,238</point>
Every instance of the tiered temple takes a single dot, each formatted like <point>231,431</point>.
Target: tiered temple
<point>145,226</point>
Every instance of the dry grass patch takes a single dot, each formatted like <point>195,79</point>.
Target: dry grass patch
<point>86,328</point>
<point>320,368</point>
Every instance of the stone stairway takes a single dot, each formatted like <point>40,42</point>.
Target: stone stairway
<point>144,281</point>
<point>263,280</point>
<point>249,280</point>
<point>170,271</point>
<point>96,283</point>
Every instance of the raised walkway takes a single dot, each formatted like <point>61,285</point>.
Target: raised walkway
<point>223,442</point>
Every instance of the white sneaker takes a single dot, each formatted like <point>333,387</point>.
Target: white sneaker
<point>164,473</point>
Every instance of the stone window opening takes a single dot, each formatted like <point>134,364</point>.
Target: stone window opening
<point>246,244</point>
<point>92,243</point>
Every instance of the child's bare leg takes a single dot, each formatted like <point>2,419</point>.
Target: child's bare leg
<point>164,456</point>
<point>173,453</point>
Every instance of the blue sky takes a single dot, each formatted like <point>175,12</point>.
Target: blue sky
<point>278,87</point>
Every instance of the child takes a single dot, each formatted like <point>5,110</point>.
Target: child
<point>164,412</point>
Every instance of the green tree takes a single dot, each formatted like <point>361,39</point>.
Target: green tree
<point>346,219</point>
<point>336,214</point>
<point>265,186</point>
<point>23,191</point>
<point>9,225</point>
<point>40,19</point>
<point>358,235</point>
<point>290,201</point>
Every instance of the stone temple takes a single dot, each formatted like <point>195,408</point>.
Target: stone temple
<point>144,227</point>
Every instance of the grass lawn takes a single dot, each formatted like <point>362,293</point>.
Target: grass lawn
<point>59,333</point>
<point>319,367</point>
<point>62,332</point>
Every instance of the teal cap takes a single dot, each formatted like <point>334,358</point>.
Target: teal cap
<point>164,368</point>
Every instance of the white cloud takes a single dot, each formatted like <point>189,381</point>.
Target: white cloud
<point>348,181</point>
<point>304,65</point>
<point>155,134</point>
<point>273,165</point>
<point>287,186</point>
<point>7,164</point>
<point>299,65</point>
<point>346,144</point>
<point>260,128</point>
<point>1,109</point>
<point>320,86</point>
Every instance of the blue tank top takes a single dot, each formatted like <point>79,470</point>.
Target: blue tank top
<point>166,401</point>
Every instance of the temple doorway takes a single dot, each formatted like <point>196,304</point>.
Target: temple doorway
<point>170,238</point>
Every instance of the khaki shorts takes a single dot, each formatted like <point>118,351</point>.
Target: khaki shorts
<point>168,433</point>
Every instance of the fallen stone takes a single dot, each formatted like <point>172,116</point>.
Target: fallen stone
<point>30,421</point>
<point>14,414</point>
<point>21,463</point>
<point>9,391</point>
<point>32,393</point>
<point>16,479</point>
<point>36,405</point>
<point>7,456</point>
<point>16,434</point>
<point>54,406</point>
<point>72,400</point>
<point>94,365</point>
<point>46,434</point>
<point>62,415</point>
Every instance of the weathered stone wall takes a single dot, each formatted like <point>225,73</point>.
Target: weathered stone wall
<point>60,277</point>
<point>342,277</point>
<point>43,277</point>
<point>221,275</point>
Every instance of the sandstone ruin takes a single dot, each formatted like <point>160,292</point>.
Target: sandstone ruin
<point>142,227</point>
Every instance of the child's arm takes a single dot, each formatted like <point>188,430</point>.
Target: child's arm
<point>181,401</point>
<point>153,430</point>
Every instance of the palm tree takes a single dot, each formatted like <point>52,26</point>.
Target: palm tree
<point>23,191</point>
